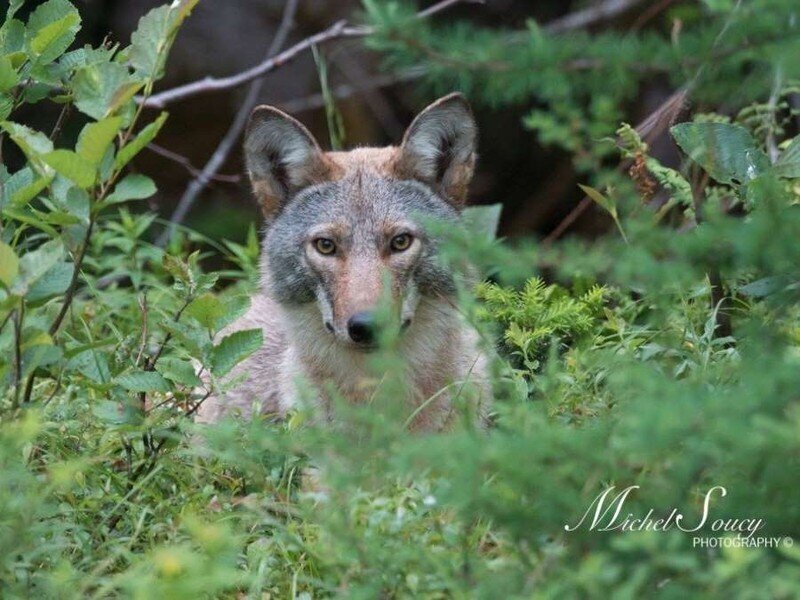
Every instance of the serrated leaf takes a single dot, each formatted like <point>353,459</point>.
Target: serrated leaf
<point>96,88</point>
<point>153,36</point>
<point>33,265</point>
<point>133,187</point>
<point>12,41</point>
<point>40,355</point>
<point>788,164</point>
<point>179,371</point>
<point>233,349</point>
<point>144,381</point>
<point>150,41</point>
<point>235,307</point>
<point>51,29</point>
<point>9,264</point>
<point>132,148</point>
<point>91,364</point>
<point>13,7</point>
<point>8,75</point>
<point>53,39</point>
<point>53,283</point>
<point>118,413</point>
<point>728,153</point>
<point>72,166</point>
<point>32,143</point>
<point>206,310</point>
<point>30,192</point>
<point>95,138</point>
<point>6,106</point>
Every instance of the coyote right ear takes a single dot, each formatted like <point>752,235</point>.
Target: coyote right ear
<point>282,158</point>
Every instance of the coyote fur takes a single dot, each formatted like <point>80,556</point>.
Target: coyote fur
<point>344,230</point>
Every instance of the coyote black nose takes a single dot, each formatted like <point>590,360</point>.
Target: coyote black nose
<point>361,328</point>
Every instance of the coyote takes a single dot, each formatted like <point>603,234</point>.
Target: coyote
<point>340,227</point>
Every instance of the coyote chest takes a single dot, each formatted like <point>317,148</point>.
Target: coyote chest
<point>346,259</point>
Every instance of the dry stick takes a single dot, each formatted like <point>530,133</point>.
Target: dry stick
<point>187,164</point>
<point>338,30</point>
<point>220,155</point>
<point>316,101</point>
<point>589,16</point>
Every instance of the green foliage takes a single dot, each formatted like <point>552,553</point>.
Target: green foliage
<point>539,315</point>
<point>672,365</point>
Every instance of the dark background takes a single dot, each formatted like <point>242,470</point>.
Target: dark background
<point>536,185</point>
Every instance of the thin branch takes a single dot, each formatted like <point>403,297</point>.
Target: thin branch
<point>77,263</point>
<point>338,30</point>
<point>603,11</point>
<point>220,155</point>
<point>649,129</point>
<point>187,164</point>
<point>316,101</point>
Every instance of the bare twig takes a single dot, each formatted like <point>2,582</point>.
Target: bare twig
<point>220,155</point>
<point>62,116</point>
<point>316,101</point>
<point>187,164</point>
<point>602,11</point>
<point>649,129</point>
<point>338,30</point>
<point>381,108</point>
<point>77,263</point>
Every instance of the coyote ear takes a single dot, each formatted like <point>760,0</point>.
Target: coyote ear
<point>282,157</point>
<point>439,148</point>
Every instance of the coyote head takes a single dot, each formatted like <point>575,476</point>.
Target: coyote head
<point>346,229</point>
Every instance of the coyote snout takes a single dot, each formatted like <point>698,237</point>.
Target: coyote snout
<point>348,257</point>
<point>365,278</point>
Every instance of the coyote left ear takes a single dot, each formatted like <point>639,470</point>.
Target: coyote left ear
<point>282,158</point>
<point>439,148</point>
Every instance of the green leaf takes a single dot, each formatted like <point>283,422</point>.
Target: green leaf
<point>728,153</point>
<point>482,220</point>
<point>179,371</point>
<point>91,364</point>
<point>151,41</point>
<point>34,265</point>
<point>72,166</point>
<point>144,381</point>
<point>9,264</point>
<point>97,88</point>
<point>22,186</point>
<point>13,7</point>
<point>95,139</point>
<point>133,187</point>
<point>788,164</point>
<point>32,143</point>
<point>8,75</point>
<point>233,349</point>
<point>132,148</point>
<point>606,204</point>
<point>53,283</point>
<point>52,28</point>
<point>206,310</point>
<point>118,413</point>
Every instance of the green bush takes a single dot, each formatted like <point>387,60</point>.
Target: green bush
<point>672,365</point>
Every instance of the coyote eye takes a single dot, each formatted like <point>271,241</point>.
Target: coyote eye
<point>325,246</point>
<point>401,242</point>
